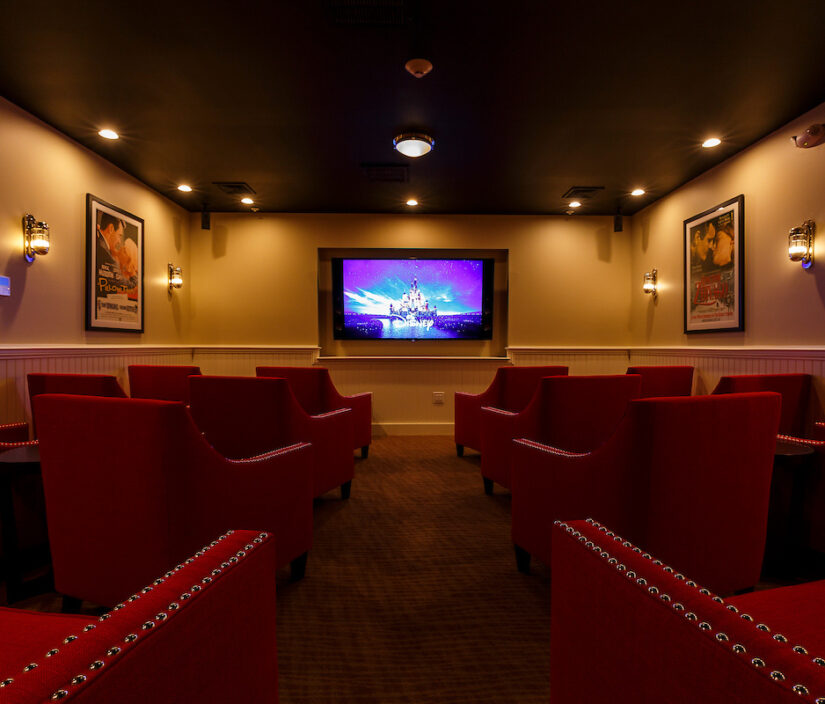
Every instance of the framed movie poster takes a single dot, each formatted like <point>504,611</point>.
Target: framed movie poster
<point>114,268</point>
<point>714,268</point>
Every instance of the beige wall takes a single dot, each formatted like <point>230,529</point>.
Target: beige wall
<point>44,173</point>
<point>783,186</point>
<point>255,276</point>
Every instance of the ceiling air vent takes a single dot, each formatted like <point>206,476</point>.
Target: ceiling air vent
<point>234,188</point>
<point>582,192</point>
<point>368,13</point>
<point>397,173</point>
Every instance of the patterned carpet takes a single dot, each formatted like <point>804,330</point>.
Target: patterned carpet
<point>412,593</point>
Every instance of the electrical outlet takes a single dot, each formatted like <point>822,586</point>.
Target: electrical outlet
<point>438,398</point>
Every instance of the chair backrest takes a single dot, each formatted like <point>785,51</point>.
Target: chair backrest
<point>664,381</point>
<point>516,385</point>
<point>578,413</point>
<point>308,385</point>
<point>118,463</point>
<point>703,469</point>
<point>244,416</point>
<point>75,384</point>
<point>794,388</point>
<point>162,382</point>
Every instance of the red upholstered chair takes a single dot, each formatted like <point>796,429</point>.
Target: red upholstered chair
<point>628,628</point>
<point>13,433</point>
<point>679,475</point>
<point>794,388</point>
<point>202,632</point>
<point>511,390</point>
<point>238,412</point>
<point>76,384</point>
<point>664,381</point>
<point>574,413</point>
<point>162,382</point>
<point>132,487</point>
<point>317,395</point>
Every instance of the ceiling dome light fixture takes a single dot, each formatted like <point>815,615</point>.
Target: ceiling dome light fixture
<point>109,134</point>
<point>247,201</point>
<point>413,144</point>
<point>418,67</point>
<point>637,192</point>
<point>574,204</point>
<point>412,202</point>
<point>711,142</point>
<point>186,189</point>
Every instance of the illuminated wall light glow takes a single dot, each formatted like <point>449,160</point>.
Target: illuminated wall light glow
<point>412,201</point>
<point>711,142</point>
<point>637,192</point>
<point>186,189</point>
<point>801,244</point>
<point>247,201</point>
<point>574,204</point>
<point>109,134</point>
<point>651,282</point>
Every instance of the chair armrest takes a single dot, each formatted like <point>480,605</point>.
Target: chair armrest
<point>498,428</point>
<point>331,437</point>
<point>11,445</point>
<point>176,640</point>
<point>14,432</point>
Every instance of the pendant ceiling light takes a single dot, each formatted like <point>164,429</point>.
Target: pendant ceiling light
<point>413,144</point>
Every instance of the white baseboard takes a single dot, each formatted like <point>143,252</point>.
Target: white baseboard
<point>383,429</point>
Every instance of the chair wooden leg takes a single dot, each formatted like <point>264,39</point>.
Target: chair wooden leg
<point>70,605</point>
<point>488,486</point>
<point>298,567</point>
<point>459,450</point>
<point>522,559</point>
<point>365,450</point>
<point>346,487</point>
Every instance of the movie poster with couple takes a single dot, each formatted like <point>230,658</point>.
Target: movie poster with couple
<point>714,281</point>
<point>114,268</point>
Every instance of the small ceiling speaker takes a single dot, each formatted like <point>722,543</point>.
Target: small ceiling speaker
<point>418,67</point>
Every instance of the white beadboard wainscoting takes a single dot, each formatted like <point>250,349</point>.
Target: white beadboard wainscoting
<point>402,387</point>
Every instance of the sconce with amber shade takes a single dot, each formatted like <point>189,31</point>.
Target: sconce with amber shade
<point>801,244</point>
<point>35,237</point>
<point>649,285</point>
<point>175,277</point>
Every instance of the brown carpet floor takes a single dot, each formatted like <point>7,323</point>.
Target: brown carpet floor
<point>412,593</point>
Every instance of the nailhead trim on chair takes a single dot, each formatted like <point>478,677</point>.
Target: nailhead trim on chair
<point>550,450</point>
<point>720,637</point>
<point>173,608</point>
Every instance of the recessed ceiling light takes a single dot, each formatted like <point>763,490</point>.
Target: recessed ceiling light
<point>711,142</point>
<point>186,189</point>
<point>413,144</point>
<point>412,201</point>
<point>574,204</point>
<point>247,201</point>
<point>637,192</point>
<point>109,134</point>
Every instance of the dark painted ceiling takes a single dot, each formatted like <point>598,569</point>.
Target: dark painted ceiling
<point>526,98</point>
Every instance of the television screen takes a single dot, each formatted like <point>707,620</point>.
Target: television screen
<point>404,299</point>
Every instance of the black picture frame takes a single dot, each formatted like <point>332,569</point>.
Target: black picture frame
<point>714,269</point>
<point>114,268</point>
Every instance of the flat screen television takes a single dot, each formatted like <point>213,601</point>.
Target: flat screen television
<point>412,299</point>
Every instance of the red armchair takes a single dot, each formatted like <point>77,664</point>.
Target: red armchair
<point>162,382</point>
<point>316,393</point>
<point>202,632</point>
<point>628,628</point>
<point>132,486</point>
<point>795,390</point>
<point>239,412</point>
<point>665,381</point>
<point>678,475</point>
<point>511,390</point>
<point>574,413</point>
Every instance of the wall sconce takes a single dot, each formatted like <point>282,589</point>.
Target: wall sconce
<point>801,244</point>
<point>35,237</point>
<point>649,285</point>
<point>175,277</point>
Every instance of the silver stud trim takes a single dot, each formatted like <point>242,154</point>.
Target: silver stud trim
<point>799,650</point>
<point>52,652</point>
<point>88,628</point>
<point>59,694</point>
<point>777,675</point>
<point>779,637</point>
<point>96,665</point>
<point>69,639</point>
<point>131,638</point>
<point>757,662</point>
<point>819,661</point>
<point>6,682</point>
<point>78,679</point>
<point>705,626</point>
<point>111,652</point>
<point>722,637</point>
<point>801,690</point>
<point>148,625</point>
<point>30,667</point>
<point>739,649</point>
<point>763,627</point>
